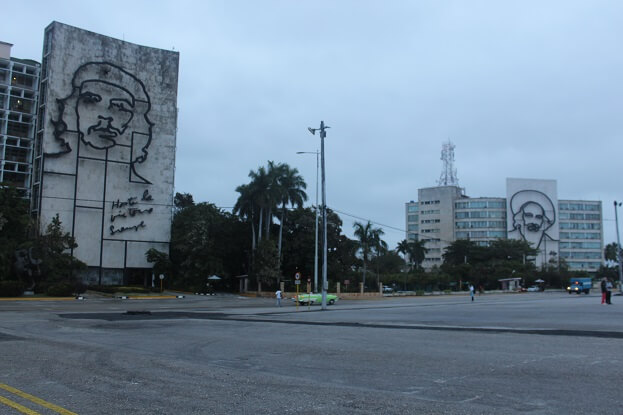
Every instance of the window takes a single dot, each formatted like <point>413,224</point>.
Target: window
<point>580,245</point>
<point>412,227</point>
<point>412,208</point>
<point>580,255</point>
<point>581,226</point>
<point>412,218</point>
<point>579,235</point>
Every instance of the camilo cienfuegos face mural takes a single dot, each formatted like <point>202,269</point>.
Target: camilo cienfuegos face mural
<point>533,214</point>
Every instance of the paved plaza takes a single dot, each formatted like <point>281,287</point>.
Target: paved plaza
<point>531,353</point>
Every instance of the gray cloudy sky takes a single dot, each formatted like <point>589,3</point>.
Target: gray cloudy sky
<point>527,89</point>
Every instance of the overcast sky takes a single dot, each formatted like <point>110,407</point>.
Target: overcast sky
<point>526,89</point>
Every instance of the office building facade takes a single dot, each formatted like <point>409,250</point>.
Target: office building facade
<point>569,230</point>
<point>104,157</point>
<point>19,83</point>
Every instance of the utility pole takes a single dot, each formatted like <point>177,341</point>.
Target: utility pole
<point>317,153</point>
<point>323,134</point>
<point>619,259</point>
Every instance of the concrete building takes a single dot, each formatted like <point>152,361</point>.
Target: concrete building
<point>560,229</point>
<point>105,149</point>
<point>19,83</point>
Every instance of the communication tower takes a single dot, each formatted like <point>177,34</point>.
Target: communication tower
<point>448,174</point>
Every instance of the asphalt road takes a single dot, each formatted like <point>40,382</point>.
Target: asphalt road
<point>533,353</point>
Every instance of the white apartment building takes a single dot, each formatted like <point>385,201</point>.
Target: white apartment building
<point>566,229</point>
<point>19,83</point>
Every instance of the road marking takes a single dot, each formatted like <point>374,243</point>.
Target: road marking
<point>36,400</point>
<point>17,406</point>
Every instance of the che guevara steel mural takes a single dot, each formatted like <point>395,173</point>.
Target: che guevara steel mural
<point>105,118</point>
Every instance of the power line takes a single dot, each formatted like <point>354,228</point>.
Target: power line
<point>368,220</point>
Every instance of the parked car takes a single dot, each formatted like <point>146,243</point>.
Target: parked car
<point>387,289</point>
<point>532,289</point>
<point>312,298</point>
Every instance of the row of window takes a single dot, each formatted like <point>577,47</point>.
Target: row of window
<point>481,214</point>
<point>583,265</point>
<point>580,255</point>
<point>430,202</point>
<point>412,208</point>
<point>578,206</point>
<point>412,227</point>
<point>481,224</point>
<point>580,226</point>
<point>580,216</point>
<point>430,212</point>
<point>580,245</point>
<point>430,231</point>
<point>412,218</point>
<point>481,204</point>
<point>430,221</point>
<point>480,234</point>
<point>580,235</point>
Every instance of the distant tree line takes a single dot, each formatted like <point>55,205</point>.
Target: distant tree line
<point>268,237</point>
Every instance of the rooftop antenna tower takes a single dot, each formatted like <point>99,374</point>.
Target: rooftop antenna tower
<point>448,174</point>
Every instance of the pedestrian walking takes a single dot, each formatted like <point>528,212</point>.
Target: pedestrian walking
<point>278,294</point>
<point>608,291</point>
<point>471,291</point>
<point>603,290</point>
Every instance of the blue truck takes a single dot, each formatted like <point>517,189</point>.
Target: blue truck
<point>580,285</point>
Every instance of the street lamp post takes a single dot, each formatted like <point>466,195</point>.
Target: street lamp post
<point>323,134</point>
<point>619,259</point>
<point>317,153</point>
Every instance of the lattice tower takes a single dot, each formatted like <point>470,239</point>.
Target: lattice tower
<point>448,174</point>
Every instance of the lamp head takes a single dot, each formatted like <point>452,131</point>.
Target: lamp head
<point>312,130</point>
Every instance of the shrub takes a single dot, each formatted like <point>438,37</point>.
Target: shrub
<point>108,289</point>
<point>419,292</point>
<point>129,290</point>
<point>61,289</point>
<point>11,288</point>
<point>79,288</point>
<point>42,287</point>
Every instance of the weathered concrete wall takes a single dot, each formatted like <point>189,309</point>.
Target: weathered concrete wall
<point>108,132</point>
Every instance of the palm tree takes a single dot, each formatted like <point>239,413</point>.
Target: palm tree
<point>369,240</point>
<point>260,183</point>
<point>245,208</point>
<point>291,186</point>
<point>414,252</point>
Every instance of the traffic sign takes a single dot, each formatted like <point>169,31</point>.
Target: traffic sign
<point>297,276</point>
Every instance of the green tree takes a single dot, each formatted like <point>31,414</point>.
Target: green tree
<point>14,226</point>
<point>205,241</point>
<point>182,201</point>
<point>53,248</point>
<point>610,252</point>
<point>266,263</point>
<point>414,252</point>
<point>161,261</point>
<point>369,240</point>
<point>291,190</point>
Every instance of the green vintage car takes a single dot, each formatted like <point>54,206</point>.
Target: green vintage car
<point>312,298</point>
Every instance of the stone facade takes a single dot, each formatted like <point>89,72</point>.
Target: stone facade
<point>105,150</point>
